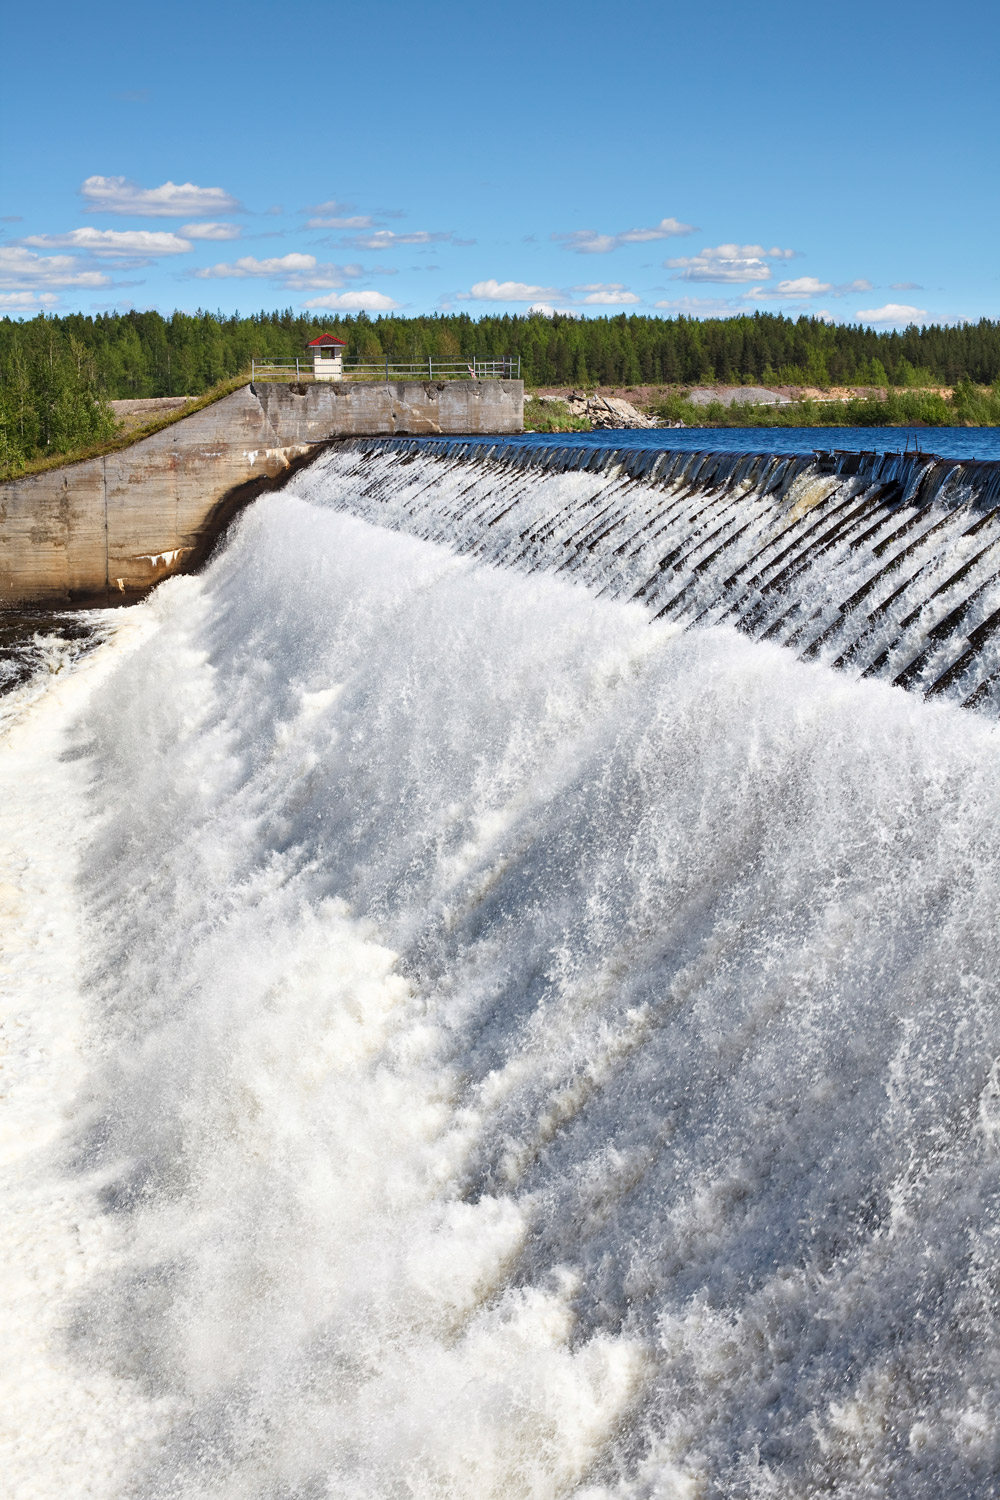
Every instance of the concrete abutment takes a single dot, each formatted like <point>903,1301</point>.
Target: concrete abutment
<point>105,530</point>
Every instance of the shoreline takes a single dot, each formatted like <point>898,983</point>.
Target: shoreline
<point>559,408</point>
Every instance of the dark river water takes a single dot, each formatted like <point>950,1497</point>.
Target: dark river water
<point>35,640</point>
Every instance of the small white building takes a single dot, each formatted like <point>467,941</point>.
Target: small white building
<point>328,357</point>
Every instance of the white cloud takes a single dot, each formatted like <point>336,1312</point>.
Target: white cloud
<point>211,231</point>
<point>249,265</point>
<point>22,268</point>
<point>546,311</point>
<point>702,307</point>
<point>327,274</point>
<point>728,263</point>
<point>386,239</point>
<point>353,221</point>
<point>731,271</point>
<point>906,286</point>
<point>662,231</point>
<point>798,290</point>
<point>171,200</point>
<point>801,288</point>
<point>606,294</point>
<point>590,242</point>
<point>892,312</point>
<point>113,242</point>
<point>330,206</point>
<point>28,299</point>
<point>292,270</point>
<point>512,291</point>
<point>550,299</point>
<point>336,215</point>
<point>353,302</point>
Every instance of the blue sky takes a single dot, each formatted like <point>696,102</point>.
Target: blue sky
<point>704,159</point>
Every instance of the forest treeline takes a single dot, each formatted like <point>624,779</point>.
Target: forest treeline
<point>58,372</point>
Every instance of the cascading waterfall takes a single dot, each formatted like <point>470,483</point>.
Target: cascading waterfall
<point>472,1037</point>
<point>885,564</point>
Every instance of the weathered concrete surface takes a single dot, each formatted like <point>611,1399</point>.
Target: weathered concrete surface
<point>310,413</point>
<point>106,529</point>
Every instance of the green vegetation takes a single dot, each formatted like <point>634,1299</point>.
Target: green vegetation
<point>51,400</point>
<point>899,409</point>
<point>975,407</point>
<point>144,354</point>
<point>551,416</point>
<point>970,405</point>
<point>119,439</point>
<point>58,373</point>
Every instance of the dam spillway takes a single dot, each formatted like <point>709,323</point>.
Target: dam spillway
<point>884,565</point>
<point>471,1039</point>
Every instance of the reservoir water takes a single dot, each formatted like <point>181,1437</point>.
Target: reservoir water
<point>948,442</point>
<point>468,1039</point>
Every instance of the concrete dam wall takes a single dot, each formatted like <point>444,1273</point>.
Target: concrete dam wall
<point>106,529</point>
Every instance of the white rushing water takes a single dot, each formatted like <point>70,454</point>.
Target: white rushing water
<point>883,566</point>
<point>465,1040</point>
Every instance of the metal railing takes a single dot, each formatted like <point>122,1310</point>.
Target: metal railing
<point>388,369</point>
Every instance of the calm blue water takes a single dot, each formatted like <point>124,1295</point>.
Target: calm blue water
<point>947,442</point>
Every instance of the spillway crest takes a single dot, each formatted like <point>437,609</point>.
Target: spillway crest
<point>476,1038</point>
<point>886,565</point>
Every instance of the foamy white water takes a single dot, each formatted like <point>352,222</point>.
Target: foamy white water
<point>477,1043</point>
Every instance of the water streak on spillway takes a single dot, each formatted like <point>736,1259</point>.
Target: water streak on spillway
<point>887,565</point>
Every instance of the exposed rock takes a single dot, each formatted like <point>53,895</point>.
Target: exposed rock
<point>607,411</point>
<point>736,395</point>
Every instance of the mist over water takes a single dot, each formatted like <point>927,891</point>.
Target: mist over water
<point>476,1042</point>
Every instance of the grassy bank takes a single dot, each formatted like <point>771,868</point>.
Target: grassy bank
<point>895,409</point>
<point>551,416</point>
<point>968,405</point>
<point>122,437</point>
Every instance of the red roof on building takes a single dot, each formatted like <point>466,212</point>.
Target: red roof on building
<point>325,338</point>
